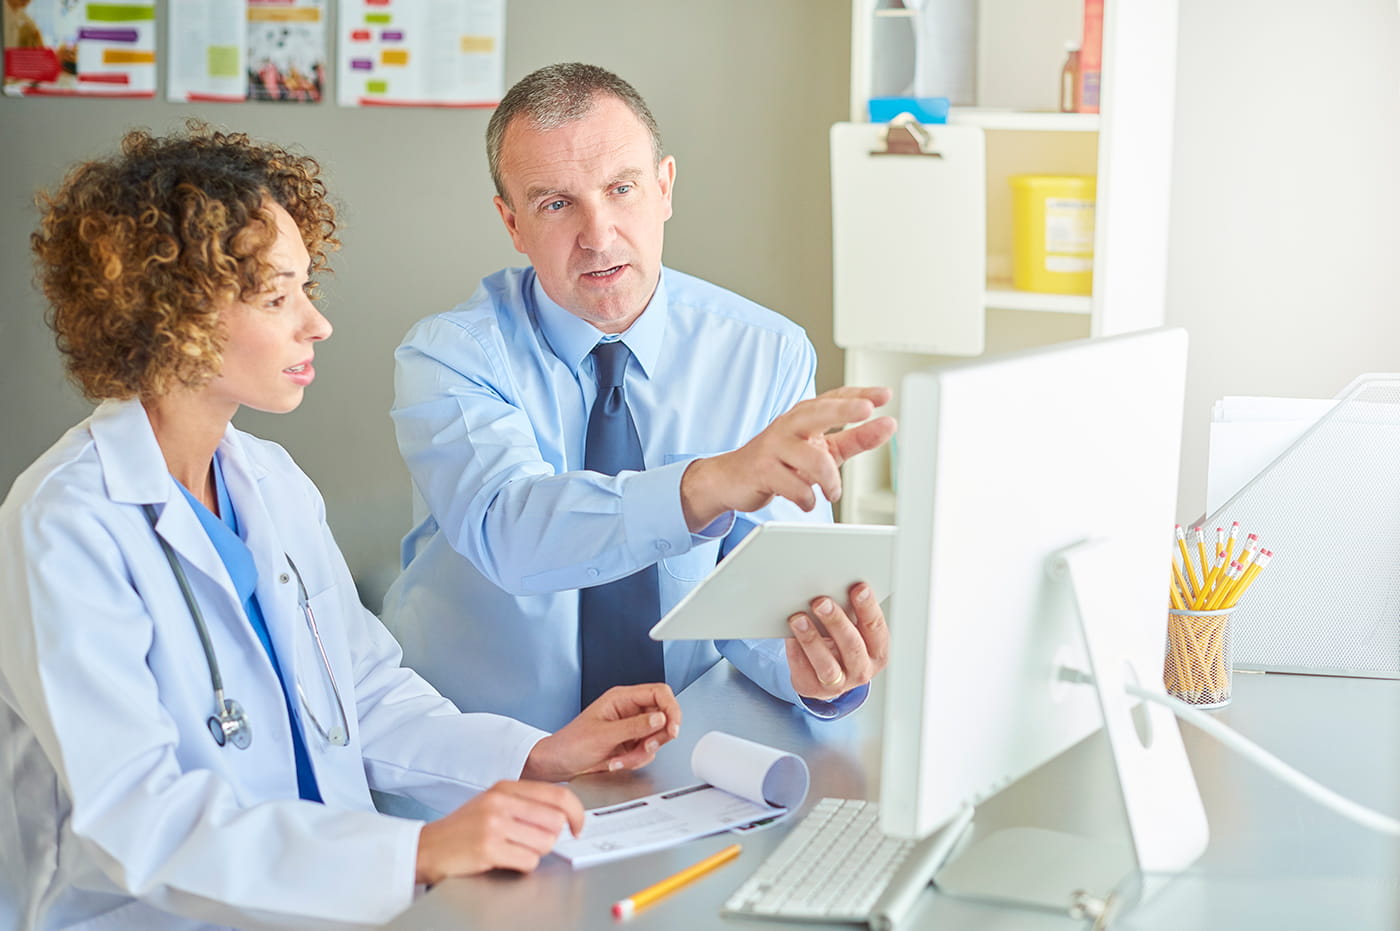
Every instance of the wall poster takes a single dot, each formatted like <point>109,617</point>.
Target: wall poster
<point>421,53</point>
<point>74,47</point>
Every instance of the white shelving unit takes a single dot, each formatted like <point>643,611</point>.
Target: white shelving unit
<point>1002,296</point>
<point>1020,48</point>
<point>1023,120</point>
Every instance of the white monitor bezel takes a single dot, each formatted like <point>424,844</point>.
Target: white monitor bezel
<point>1003,461</point>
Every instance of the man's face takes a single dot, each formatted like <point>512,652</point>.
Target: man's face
<point>589,207</point>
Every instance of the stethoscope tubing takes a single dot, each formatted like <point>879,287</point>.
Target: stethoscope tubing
<point>229,721</point>
<point>216,679</point>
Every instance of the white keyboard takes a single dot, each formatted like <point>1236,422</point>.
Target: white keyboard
<point>836,866</point>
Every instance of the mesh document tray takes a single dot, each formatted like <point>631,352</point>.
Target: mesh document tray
<point>1329,508</point>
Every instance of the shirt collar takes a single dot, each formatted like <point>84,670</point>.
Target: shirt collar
<point>573,339</point>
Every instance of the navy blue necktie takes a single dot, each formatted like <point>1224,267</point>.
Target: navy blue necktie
<point>614,617</point>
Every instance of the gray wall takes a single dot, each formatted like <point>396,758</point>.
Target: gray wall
<point>744,93</point>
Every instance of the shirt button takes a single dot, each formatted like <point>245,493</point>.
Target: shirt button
<point>284,578</point>
<point>663,545</point>
<point>592,573</point>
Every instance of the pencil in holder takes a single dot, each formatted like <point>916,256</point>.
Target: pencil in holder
<point>1197,666</point>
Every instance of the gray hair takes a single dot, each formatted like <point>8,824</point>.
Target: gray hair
<point>555,95</point>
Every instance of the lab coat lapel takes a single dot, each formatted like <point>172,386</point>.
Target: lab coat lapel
<point>277,588</point>
<point>135,472</point>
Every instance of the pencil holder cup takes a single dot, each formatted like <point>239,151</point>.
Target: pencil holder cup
<point>1197,666</point>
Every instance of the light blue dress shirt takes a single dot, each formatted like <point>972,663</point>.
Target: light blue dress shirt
<point>491,410</point>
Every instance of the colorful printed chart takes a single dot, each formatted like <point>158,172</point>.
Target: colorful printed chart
<point>206,50</point>
<point>235,50</point>
<point>421,53</point>
<point>70,47</point>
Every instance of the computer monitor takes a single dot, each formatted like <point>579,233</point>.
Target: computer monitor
<point>1036,499</point>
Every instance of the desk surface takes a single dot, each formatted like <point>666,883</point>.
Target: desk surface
<point>1276,859</point>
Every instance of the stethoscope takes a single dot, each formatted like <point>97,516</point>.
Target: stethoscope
<point>229,723</point>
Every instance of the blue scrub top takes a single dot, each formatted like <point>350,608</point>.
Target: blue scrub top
<point>238,560</point>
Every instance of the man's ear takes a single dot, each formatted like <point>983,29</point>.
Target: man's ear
<point>508,218</point>
<point>666,179</point>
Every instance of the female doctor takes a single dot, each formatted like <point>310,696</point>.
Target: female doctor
<point>193,703</point>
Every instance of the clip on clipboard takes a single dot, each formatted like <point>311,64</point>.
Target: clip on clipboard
<point>909,236</point>
<point>905,135</point>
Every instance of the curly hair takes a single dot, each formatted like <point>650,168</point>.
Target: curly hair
<point>137,253</point>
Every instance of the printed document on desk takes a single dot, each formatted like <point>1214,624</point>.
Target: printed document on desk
<point>743,784</point>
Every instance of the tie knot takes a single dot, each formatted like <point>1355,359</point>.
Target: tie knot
<point>610,363</point>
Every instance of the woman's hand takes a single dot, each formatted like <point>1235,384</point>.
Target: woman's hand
<point>509,826</point>
<point>621,730</point>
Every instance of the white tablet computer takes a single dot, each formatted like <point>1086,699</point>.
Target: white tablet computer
<point>775,572</point>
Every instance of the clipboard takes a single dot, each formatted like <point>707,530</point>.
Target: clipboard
<point>909,235</point>
<point>775,572</point>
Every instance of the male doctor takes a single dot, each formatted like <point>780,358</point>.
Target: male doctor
<point>194,706</point>
<point>589,435</point>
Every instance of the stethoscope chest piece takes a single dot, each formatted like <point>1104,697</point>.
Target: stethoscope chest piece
<point>231,726</point>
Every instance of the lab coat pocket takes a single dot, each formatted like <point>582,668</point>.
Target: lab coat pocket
<point>323,670</point>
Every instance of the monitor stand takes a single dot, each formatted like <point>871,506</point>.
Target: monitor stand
<point>1107,822</point>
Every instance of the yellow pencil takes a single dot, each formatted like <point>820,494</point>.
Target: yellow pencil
<point>1211,581</point>
<point>1186,560</point>
<point>1199,534</point>
<point>1231,592</point>
<point>639,900</point>
<point>1214,575</point>
<point>1243,561</point>
<point>1218,596</point>
<point>1181,640</point>
<point>1250,575</point>
<point>1230,542</point>
<point>1178,584</point>
<point>1215,654</point>
<point>1251,546</point>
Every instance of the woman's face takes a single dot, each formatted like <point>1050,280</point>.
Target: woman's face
<point>270,338</point>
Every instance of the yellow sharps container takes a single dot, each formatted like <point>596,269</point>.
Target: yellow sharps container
<point>1052,233</point>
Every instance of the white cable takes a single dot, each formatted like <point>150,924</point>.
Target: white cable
<point>1366,817</point>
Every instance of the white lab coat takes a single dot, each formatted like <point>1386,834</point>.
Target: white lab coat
<point>118,809</point>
